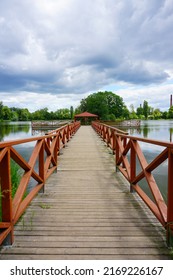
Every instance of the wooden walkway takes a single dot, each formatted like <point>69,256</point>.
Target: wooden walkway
<point>87,212</point>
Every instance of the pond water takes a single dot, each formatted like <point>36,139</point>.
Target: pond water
<point>14,130</point>
<point>153,129</point>
<point>18,130</point>
<point>161,130</point>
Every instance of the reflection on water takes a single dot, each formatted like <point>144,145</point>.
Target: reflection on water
<point>170,133</point>
<point>154,129</point>
<point>14,130</point>
<point>18,130</point>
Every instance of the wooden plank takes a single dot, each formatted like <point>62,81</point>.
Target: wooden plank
<point>88,244</point>
<point>83,257</point>
<point>88,251</point>
<point>87,223</point>
<point>137,239</point>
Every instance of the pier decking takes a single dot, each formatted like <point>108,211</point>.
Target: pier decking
<point>87,212</point>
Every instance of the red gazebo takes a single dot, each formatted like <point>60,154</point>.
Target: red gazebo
<point>86,117</point>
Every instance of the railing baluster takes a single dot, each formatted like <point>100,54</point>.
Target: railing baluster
<point>132,166</point>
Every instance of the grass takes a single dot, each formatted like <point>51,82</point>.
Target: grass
<point>29,224</point>
<point>15,180</point>
<point>44,206</point>
<point>15,177</point>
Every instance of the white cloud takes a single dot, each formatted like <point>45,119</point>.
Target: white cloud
<point>157,97</point>
<point>35,101</point>
<point>71,48</point>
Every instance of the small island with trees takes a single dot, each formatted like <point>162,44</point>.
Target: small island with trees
<point>107,105</point>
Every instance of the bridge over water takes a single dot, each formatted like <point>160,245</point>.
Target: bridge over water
<point>86,210</point>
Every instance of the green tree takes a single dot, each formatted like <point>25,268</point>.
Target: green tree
<point>24,115</point>
<point>157,114</point>
<point>52,116</point>
<point>132,112</point>
<point>164,115</point>
<point>6,113</point>
<point>71,112</point>
<point>145,109</point>
<point>95,103</point>
<point>139,112</point>
<point>126,113</point>
<point>103,104</point>
<point>62,114</point>
<point>14,116</point>
<point>1,107</point>
<point>41,114</point>
<point>170,113</point>
<point>21,114</point>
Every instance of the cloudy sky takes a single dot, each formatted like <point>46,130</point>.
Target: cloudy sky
<point>53,53</point>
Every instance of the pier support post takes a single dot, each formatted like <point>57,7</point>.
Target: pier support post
<point>169,235</point>
<point>170,199</point>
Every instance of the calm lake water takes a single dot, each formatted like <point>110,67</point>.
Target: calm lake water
<point>161,130</point>
<point>17,130</point>
<point>154,129</point>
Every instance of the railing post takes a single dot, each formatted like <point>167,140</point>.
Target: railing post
<point>73,128</point>
<point>58,143</point>
<point>113,142</point>
<point>6,196</point>
<point>104,133</point>
<point>101,131</point>
<point>68,133</point>
<point>63,137</point>
<point>41,165</point>
<point>107,137</point>
<point>116,152</point>
<point>169,226</point>
<point>132,166</point>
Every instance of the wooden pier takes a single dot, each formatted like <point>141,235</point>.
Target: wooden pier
<point>87,212</point>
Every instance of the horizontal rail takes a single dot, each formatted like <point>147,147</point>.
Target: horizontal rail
<point>127,151</point>
<point>42,162</point>
<point>66,128</point>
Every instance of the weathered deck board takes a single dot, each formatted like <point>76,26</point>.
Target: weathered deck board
<point>87,212</point>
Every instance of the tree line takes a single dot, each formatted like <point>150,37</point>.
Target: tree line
<point>23,114</point>
<point>107,105</point>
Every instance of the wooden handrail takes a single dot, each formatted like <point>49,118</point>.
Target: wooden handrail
<point>45,152</point>
<point>127,151</point>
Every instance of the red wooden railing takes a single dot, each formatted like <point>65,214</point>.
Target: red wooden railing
<point>44,155</point>
<point>128,151</point>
